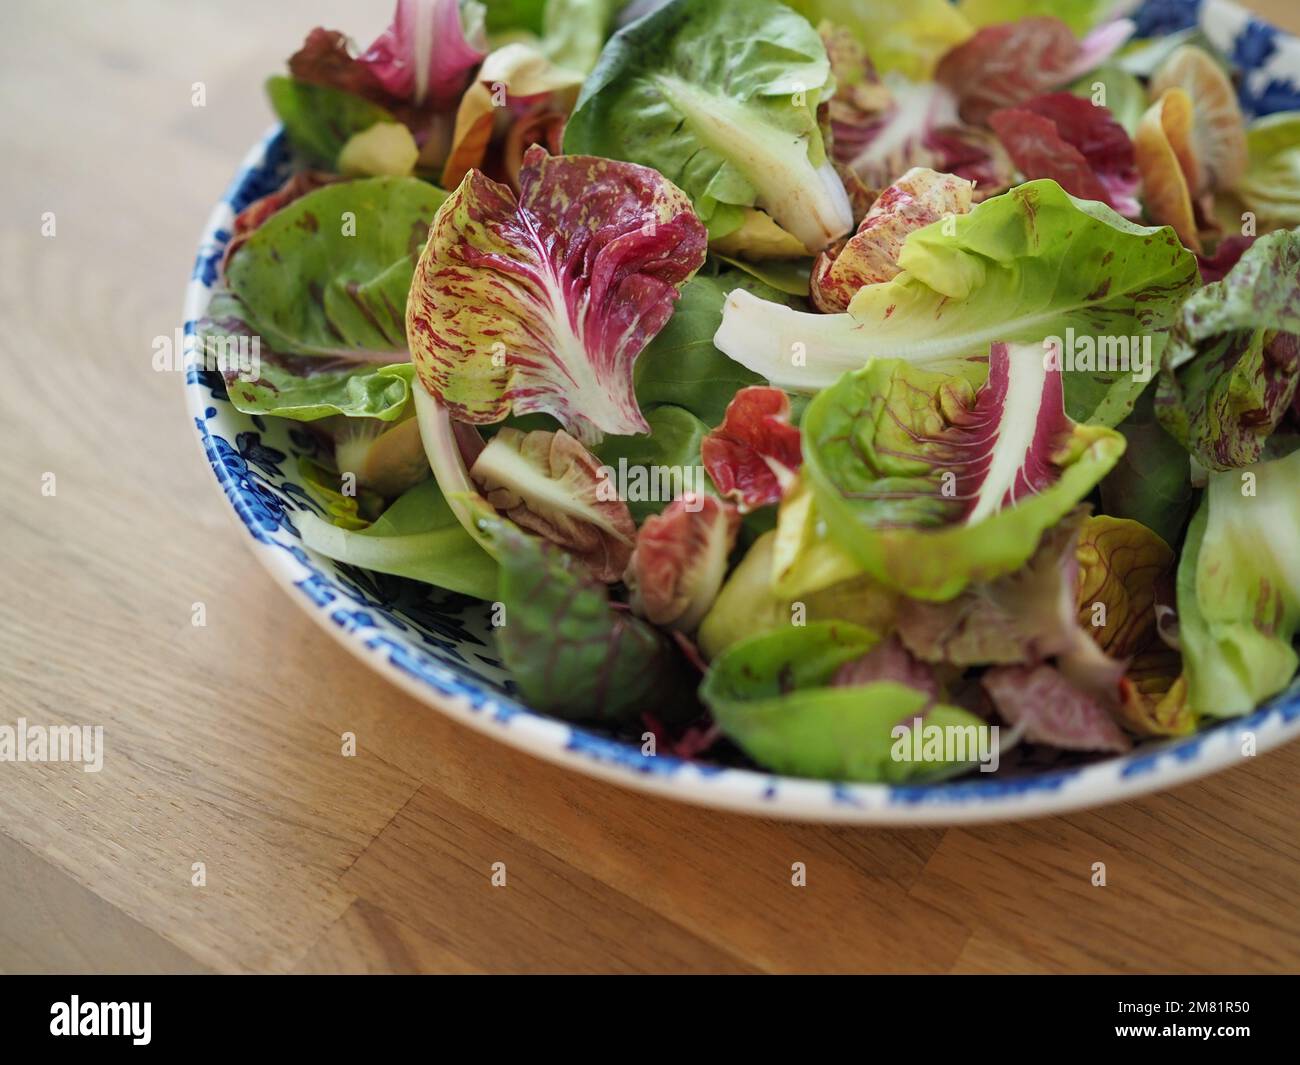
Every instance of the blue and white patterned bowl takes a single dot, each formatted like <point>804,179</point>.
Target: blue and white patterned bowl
<point>437,645</point>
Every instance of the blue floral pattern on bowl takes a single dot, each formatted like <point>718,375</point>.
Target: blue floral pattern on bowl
<point>438,646</point>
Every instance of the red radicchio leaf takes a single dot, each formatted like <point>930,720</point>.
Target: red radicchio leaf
<point>681,559</point>
<point>754,454</point>
<point>1216,267</point>
<point>997,454</point>
<point>1076,143</point>
<point>1052,711</point>
<point>542,302</point>
<point>1007,64</point>
<point>257,212</point>
<point>889,661</point>
<point>425,56</point>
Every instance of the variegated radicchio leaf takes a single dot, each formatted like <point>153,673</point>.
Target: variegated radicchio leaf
<point>753,456</point>
<point>681,559</point>
<point>1076,143</point>
<point>1006,64</point>
<point>549,484</point>
<point>919,197</point>
<point>1231,368</point>
<point>543,301</point>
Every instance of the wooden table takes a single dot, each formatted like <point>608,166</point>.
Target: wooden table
<point>223,740</point>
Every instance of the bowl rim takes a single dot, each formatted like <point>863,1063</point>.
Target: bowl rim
<point>473,702</point>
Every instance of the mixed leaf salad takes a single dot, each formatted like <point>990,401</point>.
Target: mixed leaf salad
<point>778,373</point>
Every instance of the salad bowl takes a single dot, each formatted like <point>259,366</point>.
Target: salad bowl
<point>438,646</point>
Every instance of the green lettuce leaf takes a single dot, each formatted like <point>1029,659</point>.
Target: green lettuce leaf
<point>681,366</point>
<point>417,537</point>
<point>1031,265</point>
<point>908,38</point>
<point>773,696</point>
<point>1271,185</point>
<point>929,486</point>
<point>722,100</point>
<point>670,450</point>
<point>1231,367</point>
<point>304,387</point>
<point>749,604</point>
<point>319,120</point>
<point>1079,15</point>
<point>328,274</point>
<point>1152,482</point>
<point>571,651</point>
<point>1239,588</point>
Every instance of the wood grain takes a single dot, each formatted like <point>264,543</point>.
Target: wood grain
<point>223,742</point>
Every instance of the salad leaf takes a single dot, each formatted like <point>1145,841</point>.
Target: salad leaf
<point>774,696</point>
<point>1050,710</point>
<point>750,603</point>
<point>1154,695</point>
<point>543,302</point>
<point>571,651</point>
<point>1018,268</point>
<point>1271,185</point>
<point>1239,588</point>
<point>418,537</point>
<point>346,511</point>
<point>385,457</point>
<point>1007,64</point>
<point>1215,152</point>
<point>681,559</point>
<point>721,99</point>
<point>758,239</point>
<point>1151,484</point>
<point>550,484</point>
<point>574,31</point>
<point>754,454</point>
<point>1232,364</point>
<point>667,456</point>
<point>1227,253</point>
<point>1120,565</point>
<point>1080,15</point>
<point>1162,144</point>
<point>533,87</point>
<point>870,256</point>
<point>681,366</point>
<point>907,38</point>
<point>306,388</point>
<point>881,128</point>
<point>428,51</point>
<point>320,119</point>
<point>930,486</point>
<point>1077,144</point>
<point>386,149</point>
<point>1118,91</point>
<point>328,274</point>
<point>250,219</point>
<point>1020,618</point>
